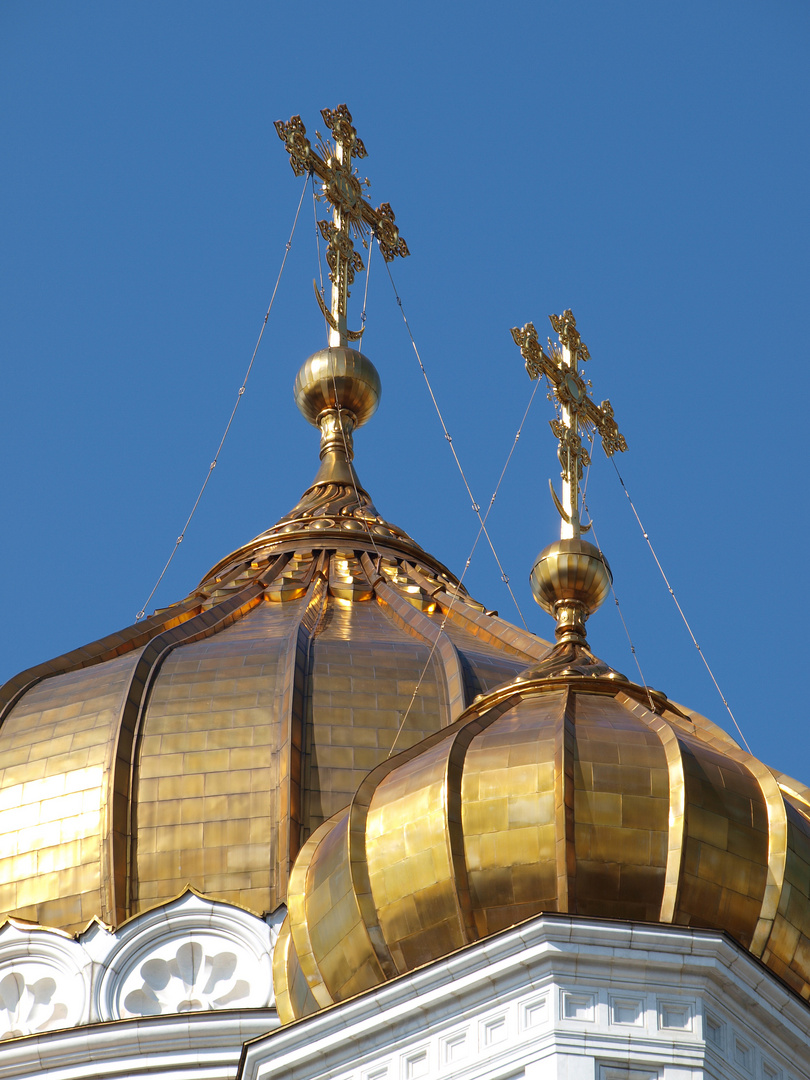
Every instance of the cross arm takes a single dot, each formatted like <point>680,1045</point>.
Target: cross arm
<point>537,362</point>
<point>303,158</point>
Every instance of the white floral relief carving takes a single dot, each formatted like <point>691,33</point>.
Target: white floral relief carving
<point>191,981</point>
<point>28,1007</point>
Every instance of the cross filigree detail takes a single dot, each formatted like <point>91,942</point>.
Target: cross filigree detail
<point>352,215</point>
<point>577,411</point>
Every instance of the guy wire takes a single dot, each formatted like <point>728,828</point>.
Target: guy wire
<point>475,507</point>
<point>680,609</point>
<point>239,395</point>
<point>612,590</point>
<point>369,249</point>
<point>454,597</point>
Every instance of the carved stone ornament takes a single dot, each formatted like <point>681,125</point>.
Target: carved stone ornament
<point>188,978</point>
<point>190,955</point>
<point>44,981</point>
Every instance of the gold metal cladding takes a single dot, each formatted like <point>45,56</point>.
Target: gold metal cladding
<point>292,716</point>
<point>208,765</point>
<point>297,916</point>
<point>347,960</point>
<point>352,216</point>
<point>292,582</point>
<point>413,622</point>
<point>360,680</point>
<point>788,949</point>
<point>564,806</point>
<point>677,803</point>
<point>513,809</point>
<point>414,852</point>
<point>570,570</point>
<point>569,795</point>
<point>293,995</point>
<point>283,974</point>
<point>777,846</point>
<point>483,625</point>
<point>97,652</point>
<point>621,811</point>
<point>347,579</point>
<point>799,792</point>
<point>120,801</point>
<point>777,850</point>
<point>55,753</point>
<point>725,868</point>
<point>334,511</point>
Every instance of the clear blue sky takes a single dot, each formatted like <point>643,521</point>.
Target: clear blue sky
<point>643,163</point>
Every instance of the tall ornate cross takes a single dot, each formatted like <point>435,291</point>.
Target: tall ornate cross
<point>577,411</point>
<point>351,214</point>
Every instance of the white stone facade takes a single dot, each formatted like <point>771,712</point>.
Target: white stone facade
<point>176,993</point>
<point>559,999</point>
<point>178,988</point>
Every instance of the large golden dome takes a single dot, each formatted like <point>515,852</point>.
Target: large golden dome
<point>204,744</point>
<point>571,793</point>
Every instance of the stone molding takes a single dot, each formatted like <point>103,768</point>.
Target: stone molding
<point>45,980</point>
<point>194,1046</point>
<point>189,955</point>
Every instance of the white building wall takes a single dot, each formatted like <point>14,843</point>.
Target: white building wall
<point>557,998</point>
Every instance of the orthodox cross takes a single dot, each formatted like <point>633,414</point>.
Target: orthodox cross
<point>577,411</point>
<point>351,214</point>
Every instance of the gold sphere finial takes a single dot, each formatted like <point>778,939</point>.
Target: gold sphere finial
<point>337,390</point>
<point>570,579</point>
<point>338,378</point>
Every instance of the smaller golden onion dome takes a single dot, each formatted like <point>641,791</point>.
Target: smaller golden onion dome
<point>578,795</point>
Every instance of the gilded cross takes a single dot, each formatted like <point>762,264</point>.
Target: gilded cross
<point>577,411</point>
<point>351,214</point>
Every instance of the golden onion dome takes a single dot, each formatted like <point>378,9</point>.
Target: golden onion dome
<point>568,789</point>
<point>203,745</point>
<point>574,793</point>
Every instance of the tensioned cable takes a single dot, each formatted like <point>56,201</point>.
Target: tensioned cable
<point>497,486</point>
<point>369,248</point>
<point>644,682</point>
<point>239,395</point>
<point>475,507</point>
<point>680,609</point>
<point>454,597</point>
